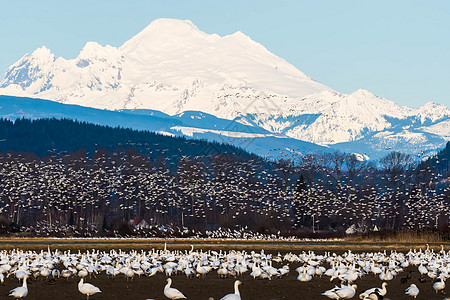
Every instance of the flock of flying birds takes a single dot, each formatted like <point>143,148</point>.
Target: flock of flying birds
<point>223,193</point>
<point>348,268</point>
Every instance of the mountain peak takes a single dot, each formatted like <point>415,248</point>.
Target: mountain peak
<point>431,104</point>
<point>174,24</point>
<point>433,111</point>
<point>93,50</point>
<point>91,47</point>
<point>239,34</point>
<point>362,93</point>
<point>43,53</point>
<point>164,32</point>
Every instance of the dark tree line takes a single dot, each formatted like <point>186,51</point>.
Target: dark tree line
<point>44,136</point>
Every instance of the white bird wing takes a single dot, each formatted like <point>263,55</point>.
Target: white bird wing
<point>18,291</point>
<point>345,292</point>
<point>331,294</point>
<point>412,290</point>
<point>367,293</point>
<point>174,294</point>
<point>91,288</point>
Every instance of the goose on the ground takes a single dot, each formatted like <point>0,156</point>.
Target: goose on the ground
<point>172,293</point>
<point>373,296</point>
<point>439,286</point>
<point>236,295</point>
<point>87,288</point>
<point>331,293</point>
<point>305,277</point>
<point>21,291</point>
<point>412,291</point>
<point>382,291</point>
<point>346,292</point>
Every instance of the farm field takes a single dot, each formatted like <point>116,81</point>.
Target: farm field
<point>204,287</point>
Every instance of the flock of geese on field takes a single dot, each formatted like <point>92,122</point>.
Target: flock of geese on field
<point>348,268</point>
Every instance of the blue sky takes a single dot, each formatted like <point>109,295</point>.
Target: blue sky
<point>399,50</point>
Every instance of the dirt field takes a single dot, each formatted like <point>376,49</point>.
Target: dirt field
<point>211,286</point>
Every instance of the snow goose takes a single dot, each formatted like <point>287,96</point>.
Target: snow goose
<point>439,286</point>
<point>21,274</point>
<point>223,272</point>
<point>347,291</point>
<point>21,291</point>
<point>422,269</point>
<point>386,274</point>
<point>375,296</point>
<point>66,274</point>
<point>382,291</point>
<point>200,270</point>
<point>172,293</point>
<point>189,272</point>
<point>412,291</point>
<point>236,295</point>
<point>129,273</point>
<point>331,293</point>
<point>87,288</point>
<point>304,277</point>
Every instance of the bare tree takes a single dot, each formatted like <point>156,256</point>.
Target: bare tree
<point>337,160</point>
<point>395,164</point>
<point>354,166</point>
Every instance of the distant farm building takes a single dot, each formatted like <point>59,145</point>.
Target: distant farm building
<point>138,223</point>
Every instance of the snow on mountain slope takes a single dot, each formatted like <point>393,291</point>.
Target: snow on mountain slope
<point>432,112</point>
<point>334,117</point>
<point>441,129</point>
<point>173,67</point>
<point>411,141</point>
<point>329,117</point>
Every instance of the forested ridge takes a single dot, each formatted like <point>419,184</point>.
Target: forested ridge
<point>42,136</point>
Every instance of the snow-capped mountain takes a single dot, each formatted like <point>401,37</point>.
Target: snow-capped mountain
<point>173,67</point>
<point>170,66</point>
<point>330,117</point>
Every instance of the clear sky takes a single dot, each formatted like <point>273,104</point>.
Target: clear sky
<point>398,49</point>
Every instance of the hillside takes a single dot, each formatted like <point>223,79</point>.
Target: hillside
<point>191,125</point>
<point>46,136</point>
